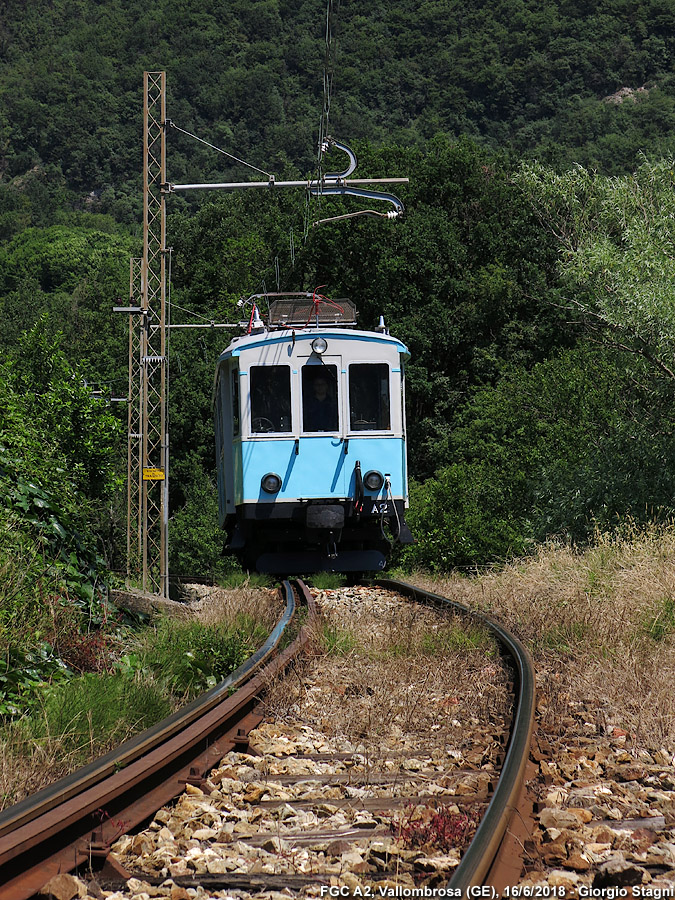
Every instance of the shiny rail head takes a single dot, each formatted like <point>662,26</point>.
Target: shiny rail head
<point>480,855</point>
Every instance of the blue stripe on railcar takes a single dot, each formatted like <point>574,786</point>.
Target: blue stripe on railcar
<point>269,340</point>
<point>321,469</point>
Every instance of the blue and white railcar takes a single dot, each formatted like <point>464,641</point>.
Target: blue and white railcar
<point>311,446</point>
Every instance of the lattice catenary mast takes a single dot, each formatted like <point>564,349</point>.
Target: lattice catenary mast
<point>134,439</point>
<point>153,362</point>
<point>148,441</point>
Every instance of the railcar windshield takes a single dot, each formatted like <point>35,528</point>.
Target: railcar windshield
<point>270,399</point>
<point>319,398</point>
<point>369,407</point>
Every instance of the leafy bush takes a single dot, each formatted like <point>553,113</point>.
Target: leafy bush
<point>462,518</point>
<point>581,441</point>
<point>57,466</point>
<point>195,539</point>
<point>25,675</point>
<point>58,459</point>
<point>62,560</point>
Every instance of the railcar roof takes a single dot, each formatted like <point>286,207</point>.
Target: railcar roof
<point>282,336</point>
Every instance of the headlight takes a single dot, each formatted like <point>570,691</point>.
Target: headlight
<point>271,483</point>
<point>319,345</point>
<point>373,480</point>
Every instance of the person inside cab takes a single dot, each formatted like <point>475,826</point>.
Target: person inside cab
<point>319,398</point>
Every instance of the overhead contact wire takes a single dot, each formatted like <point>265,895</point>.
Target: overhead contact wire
<point>191,312</point>
<point>220,150</point>
<point>327,90</point>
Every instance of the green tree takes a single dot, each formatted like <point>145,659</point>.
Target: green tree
<point>615,238</point>
<point>78,430</point>
<point>583,440</point>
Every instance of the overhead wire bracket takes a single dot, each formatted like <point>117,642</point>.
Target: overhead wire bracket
<point>336,176</point>
<point>334,183</point>
<point>330,184</point>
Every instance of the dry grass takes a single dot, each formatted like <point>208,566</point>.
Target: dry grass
<point>26,766</point>
<point>600,625</point>
<point>33,757</point>
<point>381,679</point>
<point>215,605</point>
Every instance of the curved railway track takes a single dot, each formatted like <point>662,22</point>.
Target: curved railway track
<point>493,857</point>
<point>74,822</point>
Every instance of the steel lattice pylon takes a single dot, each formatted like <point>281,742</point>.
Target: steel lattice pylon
<point>153,354</point>
<point>153,363</point>
<point>134,445</point>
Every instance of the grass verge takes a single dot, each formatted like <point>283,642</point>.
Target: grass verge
<point>149,673</point>
<point>187,658</point>
<point>600,624</point>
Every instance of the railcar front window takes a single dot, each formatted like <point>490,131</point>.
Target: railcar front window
<point>270,399</point>
<point>319,398</point>
<point>369,397</point>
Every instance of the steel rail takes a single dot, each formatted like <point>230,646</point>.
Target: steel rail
<point>477,861</point>
<point>77,818</point>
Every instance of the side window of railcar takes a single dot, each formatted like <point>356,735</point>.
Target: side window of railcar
<point>369,397</point>
<point>220,441</point>
<point>234,375</point>
<point>270,399</point>
<point>319,398</point>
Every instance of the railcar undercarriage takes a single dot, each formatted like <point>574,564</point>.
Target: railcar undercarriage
<point>308,537</point>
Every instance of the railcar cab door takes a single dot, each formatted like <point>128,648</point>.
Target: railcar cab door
<point>375,428</point>
<point>322,426</point>
<point>369,397</point>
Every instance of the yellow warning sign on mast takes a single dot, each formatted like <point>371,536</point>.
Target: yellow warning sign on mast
<point>150,474</point>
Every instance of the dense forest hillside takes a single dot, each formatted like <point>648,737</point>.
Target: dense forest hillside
<point>539,385</point>
<point>561,81</point>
